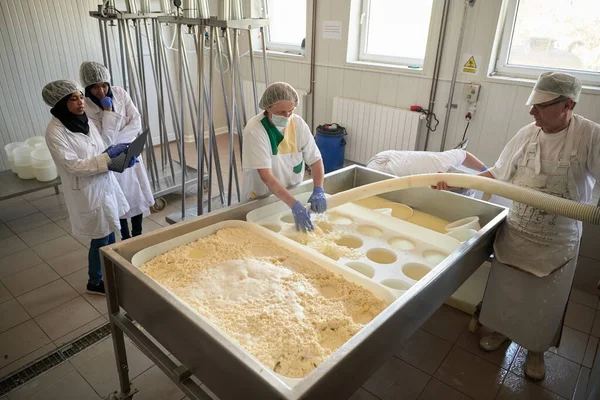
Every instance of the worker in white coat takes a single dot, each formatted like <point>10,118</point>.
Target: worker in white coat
<point>111,108</point>
<point>535,251</point>
<point>405,163</point>
<point>92,195</point>
<point>277,146</point>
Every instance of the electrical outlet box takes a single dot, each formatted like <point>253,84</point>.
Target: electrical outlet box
<point>472,92</point>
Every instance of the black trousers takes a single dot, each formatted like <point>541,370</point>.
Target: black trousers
<point>136,227</point>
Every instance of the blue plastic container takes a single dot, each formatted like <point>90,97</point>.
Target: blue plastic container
<point>332,145</point>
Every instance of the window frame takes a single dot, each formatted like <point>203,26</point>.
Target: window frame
<point>363,56</point>
<point>286,48</point>
<point>504,38</point>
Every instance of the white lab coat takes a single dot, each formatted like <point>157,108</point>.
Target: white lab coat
<point>123,125</point>
<point>404,163</point>
<point>92,195</point>
<point>293,153</point>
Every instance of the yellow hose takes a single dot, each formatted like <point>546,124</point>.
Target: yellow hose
<point>552,204</point>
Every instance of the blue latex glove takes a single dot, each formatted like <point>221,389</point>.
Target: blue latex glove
<point>317,200</point>
<point>106,102</point>
<point>117,149</point>
<point>133,161</point>
<point>301,217</point>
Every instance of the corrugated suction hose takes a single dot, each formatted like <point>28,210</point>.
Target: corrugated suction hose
<point>543,201</point>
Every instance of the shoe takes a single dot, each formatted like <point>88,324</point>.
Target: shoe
<point>535,367</point>
<point>492,341</point>
<point>96,289</point>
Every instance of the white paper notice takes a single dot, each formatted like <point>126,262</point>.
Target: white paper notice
<point>332,30</point>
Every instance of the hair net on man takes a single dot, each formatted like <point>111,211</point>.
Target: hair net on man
<point>276,92</point>
<point>92,72</point>
<point>53,92</point>
<point>552,85</point>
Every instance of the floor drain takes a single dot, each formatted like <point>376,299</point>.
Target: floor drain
<point>38,367</point>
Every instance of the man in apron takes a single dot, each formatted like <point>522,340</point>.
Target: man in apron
<point>535,251</point>
<point>276,148</point>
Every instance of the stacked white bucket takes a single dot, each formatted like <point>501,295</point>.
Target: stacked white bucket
<point>31,159</point>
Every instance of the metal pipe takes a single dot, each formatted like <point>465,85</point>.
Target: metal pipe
<point>190,8</point>
<point>455,71</point>
<point>166,6</point>
<point>153,65</point>
<point>212,136</point>
<point>232,163</point>
<point>204,10</point>
<point>123,61</point>
<point>152,167</point>
<point>210,114</point>
<point>171,96</point>
<point>108,58</point>
<point>313,56</point>
<point>145,6</point>
<point>102,41</point>
<point>236,48</point>
<point>438,61</point>
<point>181,117</point>
<point>200,143</point>
<point>236,58</point>
<point>264,53</point>
<point>161,105</point>
<point>192,96</point>
<point>131,6</point>
<point>253,72</point>
<point>236,9</point>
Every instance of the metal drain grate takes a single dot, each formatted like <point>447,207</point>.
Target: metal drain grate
<point>50,361</point>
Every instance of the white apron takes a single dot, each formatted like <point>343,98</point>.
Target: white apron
<point>287,166</point>
<point>535,255</point>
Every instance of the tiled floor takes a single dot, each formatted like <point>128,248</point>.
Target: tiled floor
<point>43,272</point>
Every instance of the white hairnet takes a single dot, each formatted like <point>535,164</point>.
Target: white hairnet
<point>276,92</point>
<point>53,92</point>
<point>552,85</point>
<point>92,72</point>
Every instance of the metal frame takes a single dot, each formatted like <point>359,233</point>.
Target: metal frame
<point>206,354</point>
<point>171,176</point>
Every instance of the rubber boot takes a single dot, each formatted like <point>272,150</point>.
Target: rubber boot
<point>492,342</point>
<point>535,367</point>
<point>474,325</point>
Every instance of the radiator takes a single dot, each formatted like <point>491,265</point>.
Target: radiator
<point>373,128</point>
<point>260,88</point>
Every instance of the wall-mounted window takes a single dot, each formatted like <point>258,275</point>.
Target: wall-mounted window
<point>394,31</point>
<point>288,25</point>
<point>542,35</point>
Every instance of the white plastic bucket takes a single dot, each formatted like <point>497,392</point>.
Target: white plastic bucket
<point>40,146</point>
<point>43,165</point>
<point>22,160</point>
<point>32,141</point>
<point>9,153</point>
<point>462,234</point>
<point>465,223</point>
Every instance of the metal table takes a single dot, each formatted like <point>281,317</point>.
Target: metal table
<point>207,356</point>
<point>12,186</point>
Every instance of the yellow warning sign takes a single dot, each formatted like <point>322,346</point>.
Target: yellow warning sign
<point>471,63</point>
<point>470,66</point>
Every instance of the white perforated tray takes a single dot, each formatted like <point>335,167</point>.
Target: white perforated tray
<point>412,250</point>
